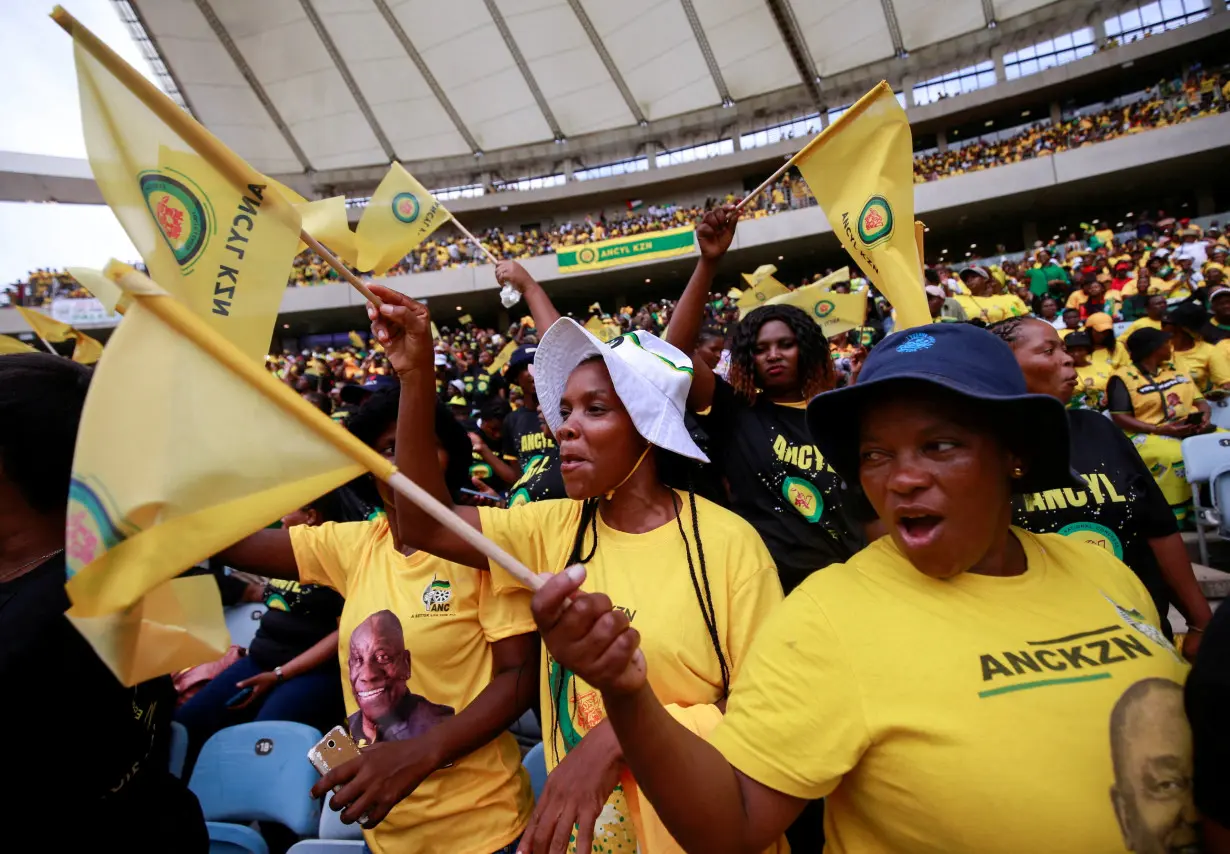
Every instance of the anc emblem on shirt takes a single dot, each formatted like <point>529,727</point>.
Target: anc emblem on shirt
<point>183,217</point>
<point>1094,534</point>
<point>1137,621</point>
<point>824,308</point>
<point>875,223</point>
<point>437,594</point>
<point>804,497</point>
<point>519,497</point>
<point>406,207</point>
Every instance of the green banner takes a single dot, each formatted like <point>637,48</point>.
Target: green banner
<point>625,250</point>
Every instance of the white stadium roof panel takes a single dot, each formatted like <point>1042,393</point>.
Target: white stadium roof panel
<point>220,96</point>
<point>654,48</point>
<point>411,116</point>
<point>1005,9</point>
<point>843,35</point>
<point>475,68</point>
<point>922,23</point>
<point>570,73</point>
<point>747,45</point>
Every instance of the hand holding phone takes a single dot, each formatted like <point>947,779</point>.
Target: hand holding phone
<point>244,694</point>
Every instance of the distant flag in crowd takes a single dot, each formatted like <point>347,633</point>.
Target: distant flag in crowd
<point>355,340</point>
<point>86,350</point>
<point>834,278</point>
<point>502,357</point>
<point>636,205</point>
<point>861,171</point>
<point>465,318</point>
<point>601,330</point>
<point>761,288</point>
<point>834,312</point>
<point>9,344</point>
<point>213,231</point>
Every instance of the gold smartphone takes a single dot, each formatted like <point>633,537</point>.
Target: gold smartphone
<point>333,751</point>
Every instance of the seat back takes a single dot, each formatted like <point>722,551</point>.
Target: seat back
<point>328,846</point>
<point>1204,455</point>
<point>331,826</point>
<point>243,620</point>
<point>535,762</point>
<point>179,748</point>
<point>259,772</point>
<point>1219,410</point>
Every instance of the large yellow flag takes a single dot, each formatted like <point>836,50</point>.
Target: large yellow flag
<point>12,345</point>
<point>861,170</point>
<point>197,460</point>
<point>400,216</point>
<point>502,357</point>
<point>213,231</point>
<point>86,351</point>
<point>836,313</point>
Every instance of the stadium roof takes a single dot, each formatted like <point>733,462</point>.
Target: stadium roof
<point>312,85</point>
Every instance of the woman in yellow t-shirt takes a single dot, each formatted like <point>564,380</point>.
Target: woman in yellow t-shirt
<point>958,686</point>
<point>694,578</point>
<point>1090,391</point>
<point>1193,355</point>
<point>433,662</point>
<point>1107,352</point>
<point>1158,406</point>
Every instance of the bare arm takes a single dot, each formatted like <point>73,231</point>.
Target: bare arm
<point>1177,572</point>
<point>403,327</point>
<point>500,467</point>
<point>267,552</point>
<point>317,654</point>
<point>541,308</point>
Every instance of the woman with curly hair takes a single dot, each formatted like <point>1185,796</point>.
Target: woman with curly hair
<point>776,477</point>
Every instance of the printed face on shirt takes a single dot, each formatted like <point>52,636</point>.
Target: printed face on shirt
<point>937,475</point>
<point>379,665</point>
<point>1151,750</point>
<point>598,443</point>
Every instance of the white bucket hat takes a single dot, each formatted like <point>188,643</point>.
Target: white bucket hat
<point>651,378</point>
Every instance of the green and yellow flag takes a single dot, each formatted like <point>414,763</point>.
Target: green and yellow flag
<point>213,231</point>
<point>761,287</point>
<point>86,350</point>
<point>400,216</point>
<point>502,357</point>
<point>834,278</point>
<point>834,312</point>
<point>861,170</point>
<point>355,340</point>
<point>650,246</point>
<point>12,345</point>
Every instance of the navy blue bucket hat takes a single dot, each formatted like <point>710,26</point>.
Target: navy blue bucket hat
<point>967,361</point>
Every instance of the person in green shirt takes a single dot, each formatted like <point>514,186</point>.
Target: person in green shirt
<point>1044,273</point>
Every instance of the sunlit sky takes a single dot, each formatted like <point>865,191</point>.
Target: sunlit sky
<point>42,116</point>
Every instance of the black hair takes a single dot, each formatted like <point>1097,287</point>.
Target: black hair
<point>709,333</point>
<point>320,401</point>
<point>1077,310</point>
<point>379,412</point>
<point>494,409</point>
<point>1010,329</point>
<point>815,368</point>
<point>559,679</point>
<point>932,276</point>
<point>41,399</point>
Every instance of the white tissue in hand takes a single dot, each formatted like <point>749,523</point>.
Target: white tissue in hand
<point>509,296</point>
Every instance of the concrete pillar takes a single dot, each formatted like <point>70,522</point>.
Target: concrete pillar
<point>1029,234</point>
<point>941,140</point>
<point>1217,7</point>
<point>907,85</point>
<point>1056,112</point>
<point>824,118</point>
<point>1097,20</point>
<point>488,186</point>
<point>997,56</point>
<point>1205,203</point>
<point>568,169</point>
<point>651,152</point>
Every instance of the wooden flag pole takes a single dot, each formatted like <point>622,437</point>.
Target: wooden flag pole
<point>756,192</point>
<point>342,270</point>
<point>476,242</point>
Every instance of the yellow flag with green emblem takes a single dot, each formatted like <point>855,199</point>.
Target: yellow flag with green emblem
<point>834,312</point>
<point>861,170</point>
<point>400,216</point>
<point>761,287</point>
<point>213,231</point>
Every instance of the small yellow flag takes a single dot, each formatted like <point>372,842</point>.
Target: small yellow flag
<point>86,351</point>
<point>355,340</point>
<point>598,329</point>
<point>103,289</point>
<point>834,312</point>
<point>861,170</point>
<point>465,318</point>
<point>502,357</point>
<point>12,345</point>
<point>834,278</point>
<point>400,216</point>
<point>761,287</point>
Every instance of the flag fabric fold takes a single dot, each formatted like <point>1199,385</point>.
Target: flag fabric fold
<point>861,171</point>
<point>86,350</point>
<point>761,287</point>
<point>834,312</point>
<point>9,344</point>
<point>400,216</point>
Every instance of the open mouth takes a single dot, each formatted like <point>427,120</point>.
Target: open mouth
<point>570,462</point>
<point>919,529</point>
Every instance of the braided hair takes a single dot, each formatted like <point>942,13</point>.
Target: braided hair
<point>1010,329</point>
<point>815,368</point>
<point>560,680</point>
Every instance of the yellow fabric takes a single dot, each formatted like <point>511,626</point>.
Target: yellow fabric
<point>1090,391</point>
<point>834,312</point>
<point>400,216</point>
<point>355,340</point>
<point>450,616</point>
<point>211,229</point>
<point>502,357</point>
<point>87,351</point>
<point>760,291</point>
<point>104,290</point>
<point>762,273</point>
<point>211,450</point>
<point>647,576</point>
<point>833,278</point>
<point>45,327</point>
<point>1139,323</point>
<point>992,309</point>
<point>1196,363</point>
<point>958,716</point>
<point>1163,456</point>
<point>1219,364</point>
<point>1166,397</point>
<point>12,345</point>
<point>861,171</point>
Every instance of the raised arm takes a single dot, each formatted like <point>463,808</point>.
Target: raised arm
<point>713,237</point>
<point>536,298</point>
<point>403,327</point>
<point>267,552</point>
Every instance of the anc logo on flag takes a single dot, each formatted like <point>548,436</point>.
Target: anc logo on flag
<point>91,529</point>
<point>436,594</point>
<point>406,207</point>
<point>182,214</point>
<point>803,497</point>
<point>875,223</point>
<point>824,308</point>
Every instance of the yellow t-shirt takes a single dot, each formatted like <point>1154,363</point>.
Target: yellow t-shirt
<point>992,309</point>
<point>1090,391</point>
<point>1166,397</point>
<point>1140,323</point>
<point>974,714</point>
<point>1219,364</point>
<point>1196,363</point>
<point>646,575</point>
<point>445,617</point>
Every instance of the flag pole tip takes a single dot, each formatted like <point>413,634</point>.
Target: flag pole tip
<point>60,15</point>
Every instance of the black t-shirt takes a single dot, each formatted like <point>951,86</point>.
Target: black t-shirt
<point>298,616</point>
<point>478,466</point>
<point>1120,509</point>
<point>481,384</point>
<point>78,742</point>
<point>528,444</point>
<point>1208,709</point>
<point>807,516</point>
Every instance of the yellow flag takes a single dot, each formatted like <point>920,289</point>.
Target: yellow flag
<point>502,357</point>
<point>212,230</point>
<point>834,278</point>
<point>601,330</point>
<point>103,289</point>
<point>836,313</point>
<point>356,340</point>
<point>86,351</point>
<point>465,318</point>
<point>12,345</point>
<point>400,216</point>
<point>761,287</point>
<point>861,170</point>
<point>764,271</point>
<point>197,460</point>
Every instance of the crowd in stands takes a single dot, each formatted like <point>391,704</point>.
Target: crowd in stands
<point>1202,92</point>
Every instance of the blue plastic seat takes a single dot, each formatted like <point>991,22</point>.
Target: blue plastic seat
<point>243,620</point>
<point>328,846</point>
<point>179,748</point>
<point>257,772</point>
<point>234,839</point>
<point>535,762</point>
<point>1206,463</point>
<point>331,826</point>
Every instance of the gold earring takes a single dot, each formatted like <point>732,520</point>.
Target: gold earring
<point>1018,472</point>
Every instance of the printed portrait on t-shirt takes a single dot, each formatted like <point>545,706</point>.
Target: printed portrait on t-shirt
<point>379,666</point>
<point>1151,752</point>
